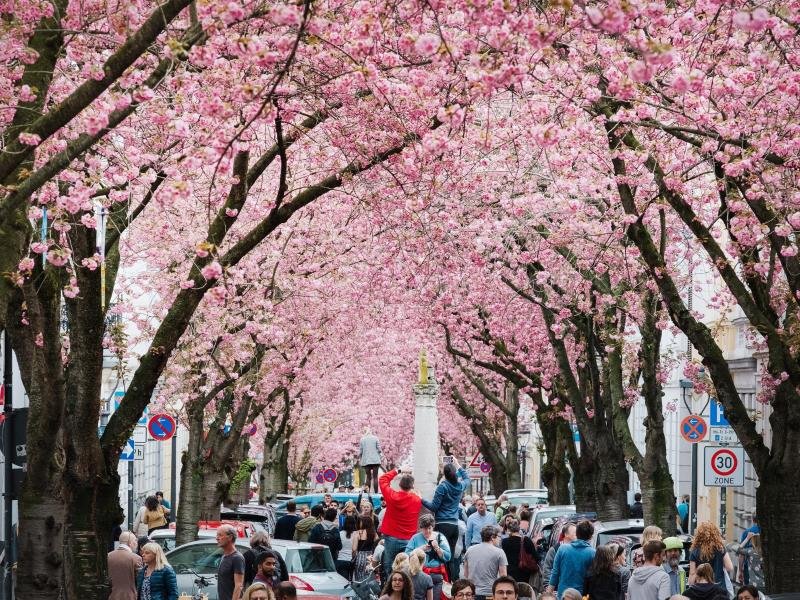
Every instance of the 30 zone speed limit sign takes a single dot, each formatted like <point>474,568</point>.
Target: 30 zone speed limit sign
<point>724,466</point>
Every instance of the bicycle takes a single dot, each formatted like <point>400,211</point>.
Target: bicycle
<point>367,588</point>
<point>200,583</point>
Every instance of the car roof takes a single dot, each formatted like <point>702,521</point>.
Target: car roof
<point>620,524</point>
<point>292,545</point>
<point>207,542</point>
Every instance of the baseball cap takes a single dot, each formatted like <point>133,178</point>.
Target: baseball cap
<point>673,543</point>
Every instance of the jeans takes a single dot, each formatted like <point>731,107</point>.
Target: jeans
<point>371,474</point>
<point>391,548</point>
<point>450,532</point>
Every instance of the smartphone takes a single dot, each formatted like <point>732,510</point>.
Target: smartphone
<point>448,460</point>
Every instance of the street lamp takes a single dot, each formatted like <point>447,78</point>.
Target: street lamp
<point>523,434</point>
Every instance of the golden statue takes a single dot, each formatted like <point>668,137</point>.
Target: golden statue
<point>423,367</point>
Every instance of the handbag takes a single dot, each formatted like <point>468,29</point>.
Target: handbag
<point>526,560</point>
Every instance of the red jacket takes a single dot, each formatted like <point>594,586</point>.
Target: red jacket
<point>402,509</point>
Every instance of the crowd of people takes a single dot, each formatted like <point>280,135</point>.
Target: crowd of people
<point>414,547</point>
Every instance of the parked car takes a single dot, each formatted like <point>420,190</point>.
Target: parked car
<point>311,567</point>
<point>206,529</point>
<point>544,512</point>
<point>556,530</point>
<point>312,499</point>
<point>531,497</point>
<point>627,532</point>
<point>263,517</point>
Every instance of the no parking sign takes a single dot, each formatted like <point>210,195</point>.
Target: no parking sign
<point>724,466</point>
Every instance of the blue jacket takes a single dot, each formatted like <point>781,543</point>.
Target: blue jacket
<point>447,498</point>
<point>431,558</point>
<point>163,584</point>
<point>570,566</point>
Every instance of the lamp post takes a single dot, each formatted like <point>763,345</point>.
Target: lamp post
<point>523,434</point>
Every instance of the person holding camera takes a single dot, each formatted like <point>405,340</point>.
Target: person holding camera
<point>437,552</point>
<point>399,523</point>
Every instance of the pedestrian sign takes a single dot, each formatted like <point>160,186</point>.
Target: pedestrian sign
<point>694,429</point>
<point>477,460</point>
<point>724,466</point>
<point>129,450</point>
<point>478,466</point>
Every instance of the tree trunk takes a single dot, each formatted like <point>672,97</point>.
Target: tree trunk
<point>556,436</point>
<point>274,475</point>
<point>658,496</point>
<point>778,508</point>
<point>92,511</point>
<point>40,545</point>
<point>601,480</point>
<point>583,482</point>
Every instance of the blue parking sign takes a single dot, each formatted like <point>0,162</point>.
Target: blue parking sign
<point>718,415</point>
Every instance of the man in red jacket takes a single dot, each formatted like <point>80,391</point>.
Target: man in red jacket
<point>402,510</point>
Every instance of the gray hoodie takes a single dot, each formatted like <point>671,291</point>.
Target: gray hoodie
<point>649,582</point>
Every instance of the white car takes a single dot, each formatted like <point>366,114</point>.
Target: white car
<point>311,567</point>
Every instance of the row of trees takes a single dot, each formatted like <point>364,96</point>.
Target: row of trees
<point>282,202</point>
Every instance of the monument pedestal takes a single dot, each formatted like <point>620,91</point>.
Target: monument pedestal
<point>426,438</point>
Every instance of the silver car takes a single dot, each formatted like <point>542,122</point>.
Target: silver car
<point>311,567</point>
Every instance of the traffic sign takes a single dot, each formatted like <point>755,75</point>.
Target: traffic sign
<point>718,415</point>
<point>330,475</point>
<point>129,450</point>
<point>486,467</point>
<point>724,466</point>
<point>722,435</point>
<point>118,396</point>
<point>477,460</point>
<point>319,478</point>
<point>694,429</point>
<point>139,452</point>
<point>140,434</point>
<point>161,427</point>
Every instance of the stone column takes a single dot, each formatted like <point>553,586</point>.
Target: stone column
<point>426,435</point>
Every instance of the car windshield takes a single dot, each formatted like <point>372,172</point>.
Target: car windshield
<point>628,537</point>
<point>201,558</point>
<point>309,560</point>
<point>529,499</point>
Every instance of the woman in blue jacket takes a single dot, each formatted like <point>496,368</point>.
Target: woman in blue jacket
<point>446,506</point>
<point>434,548</point>
<point>156,581</point>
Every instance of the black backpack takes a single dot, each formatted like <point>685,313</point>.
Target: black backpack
<point>330,538</point>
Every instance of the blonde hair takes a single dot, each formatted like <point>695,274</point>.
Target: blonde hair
<point>255,587</point>
<point>400,562</point>
<point>158,551</point>
<point>708,540</point>
<point>415,561</point>
<point>349,505</point>
<point>651,533</point>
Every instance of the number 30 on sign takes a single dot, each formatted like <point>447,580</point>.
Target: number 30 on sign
<point>724,466</point>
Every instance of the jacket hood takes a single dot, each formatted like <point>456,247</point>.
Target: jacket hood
<point>579,544</point>
<point>705,590</point>
<point>306,524</point>
<point>644,573</point>
<point>328,524</point>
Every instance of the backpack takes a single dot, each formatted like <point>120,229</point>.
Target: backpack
<point>526,560</point>
<point>330,538</point>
